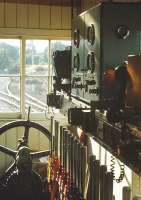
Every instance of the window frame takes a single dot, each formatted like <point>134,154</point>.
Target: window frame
<point>36,114</point>
<point>23,114</point>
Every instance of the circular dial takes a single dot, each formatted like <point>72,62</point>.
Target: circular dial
<point>91,62</point>
<point>76,62</point>
<point>91,34</point>
<point>122,32</point>
<point>76,38</point>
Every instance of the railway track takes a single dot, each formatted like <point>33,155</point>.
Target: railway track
<point>11,100</point>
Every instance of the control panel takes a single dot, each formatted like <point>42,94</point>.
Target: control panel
<point>77,83</point>
<point>103,38</point>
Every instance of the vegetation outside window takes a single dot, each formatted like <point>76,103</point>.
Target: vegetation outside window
<point>37,74</point>
<point>26,73</point>
<point>9,75</point>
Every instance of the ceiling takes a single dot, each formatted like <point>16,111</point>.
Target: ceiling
<point>74,3</point>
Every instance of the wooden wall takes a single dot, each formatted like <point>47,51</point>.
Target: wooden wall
<point>36,17</point>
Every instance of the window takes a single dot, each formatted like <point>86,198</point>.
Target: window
<point>26,73</point>
<point>9,75</point>
<point>59,45</point>
<point>37,74</point>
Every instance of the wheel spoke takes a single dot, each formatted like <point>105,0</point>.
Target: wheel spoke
<point>10,169</point>
<point>7,173</point>
<point>27,124</point>
<point>40,154</point>
<point>26,133</point>
<point>8,151</point>
<point>32,124</point>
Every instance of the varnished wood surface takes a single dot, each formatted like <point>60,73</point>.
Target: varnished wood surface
<point>47,2</point>
<point>35,16</point>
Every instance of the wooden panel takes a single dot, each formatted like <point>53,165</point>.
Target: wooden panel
<point>66,18</point>
<point>34,137</point>
<point>44,16</point>
<point>56,17</point>
<point>22,16</point>
<point>1,14</point>
<point>44,142</point>
<point>46,2</point>
<point>10,15</point>
<point>33,16</point>
<point>10,138</point>
<point>50,33</point>
<point>75,13</point>
<point>19,133</point>
<point>10,142</point>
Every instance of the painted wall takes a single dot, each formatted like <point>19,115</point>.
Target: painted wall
<point>35,17</point>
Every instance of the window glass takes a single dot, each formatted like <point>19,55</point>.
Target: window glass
<point>9,56</point>
<point>9,94</point>
<point>35,93</point>
<point>37,58</point>
<point>37,79</point>
<point>59,45</point>
<point>9,75</point>
<point>37,72</point>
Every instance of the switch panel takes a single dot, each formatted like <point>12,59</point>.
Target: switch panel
<point>105,39</point>
<point>77,57</point>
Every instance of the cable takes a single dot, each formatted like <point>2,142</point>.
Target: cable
<point>122,170</point>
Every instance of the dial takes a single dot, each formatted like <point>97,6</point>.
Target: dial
<point>91,62</point>
<point>76,62</point>
<point>91,34</point>
<point>122,32</point>
<point>76,38</point>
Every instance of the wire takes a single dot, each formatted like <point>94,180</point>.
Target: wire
<point>122,170</point>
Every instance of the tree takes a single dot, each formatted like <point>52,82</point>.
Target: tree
<point>58,46</point>
<point>9,59</point>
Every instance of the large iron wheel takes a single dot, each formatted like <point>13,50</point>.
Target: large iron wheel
<point>23,142</point>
